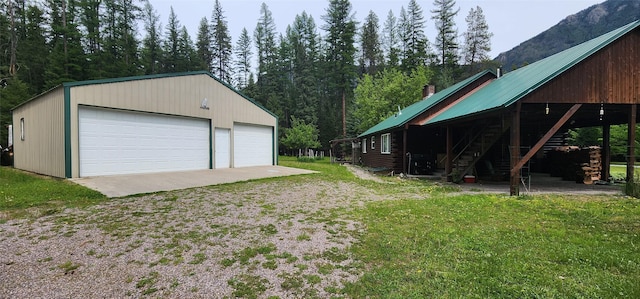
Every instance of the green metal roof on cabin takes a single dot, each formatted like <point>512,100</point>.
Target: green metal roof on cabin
<point>514,85</point>
<point>409,113</point>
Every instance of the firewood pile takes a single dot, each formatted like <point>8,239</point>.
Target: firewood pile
<point>584,165</point>
<point>592,170</point>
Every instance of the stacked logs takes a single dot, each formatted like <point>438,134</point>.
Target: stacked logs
<point>592,170</point>
<point>584,165</point>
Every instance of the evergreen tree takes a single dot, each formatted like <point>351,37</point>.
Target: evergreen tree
<point>221,44</point>
<point>371,56</point>
<point>264,37</point>
<point>67,59</point>
<point>416,49</point>
<point>340,69</point>
<point>92,40</point>
<point>303,40</point>
<point>171,44</point>
<point>243,59</point>
<point>477,38</point>
<point>446,40</point>
<point>151,52</point>
<point>390,40</point>
<point>120,44</point>
<point>188,59</point>
<point>203,45</point>
<point>31,49</point>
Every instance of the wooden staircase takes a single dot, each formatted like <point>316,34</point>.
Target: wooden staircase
<point>474,146</point>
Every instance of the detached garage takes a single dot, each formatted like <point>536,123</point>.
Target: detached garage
<point>146,124</point>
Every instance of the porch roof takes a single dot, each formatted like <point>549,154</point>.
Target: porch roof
<point>515,85</point>
<point>411,112</point>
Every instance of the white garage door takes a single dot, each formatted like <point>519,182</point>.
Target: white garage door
<point>121,142</point>
<point>222,153</point>
<point>252,145</point>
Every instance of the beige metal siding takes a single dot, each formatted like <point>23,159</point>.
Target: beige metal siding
<point>42,150</point>
<point>181,95</point>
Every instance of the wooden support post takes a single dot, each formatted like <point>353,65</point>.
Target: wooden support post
<point>448,168</point>
<point>631,142</point>
<point>606,152</point>
<point>516,168</point>
<point>404,151</point>
<point>514,182</point>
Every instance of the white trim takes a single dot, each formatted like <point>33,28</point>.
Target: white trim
<point>22,129</point>
<point>364,145</point>
<point>385,143</point>
<point>373,142</point>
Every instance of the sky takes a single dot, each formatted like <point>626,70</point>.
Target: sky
<point>511,21</point>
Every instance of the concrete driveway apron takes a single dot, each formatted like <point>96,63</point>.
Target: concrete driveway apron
<point>125,185</point>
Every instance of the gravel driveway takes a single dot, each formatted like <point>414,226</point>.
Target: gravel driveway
<point>285,238</point>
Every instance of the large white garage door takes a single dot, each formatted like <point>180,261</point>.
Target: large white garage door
<point>252,145</point>
<point>122,142</point>
<point>222,154</point>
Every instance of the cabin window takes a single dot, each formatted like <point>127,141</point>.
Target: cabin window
<point>364,145</point>
<point>22,129</point>
<point>373,142</point>
<point>385,139</point>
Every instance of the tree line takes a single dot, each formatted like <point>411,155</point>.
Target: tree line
<point>338,77</point>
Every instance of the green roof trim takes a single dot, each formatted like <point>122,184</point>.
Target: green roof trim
<point>411,112</point>
<point>515,85</point>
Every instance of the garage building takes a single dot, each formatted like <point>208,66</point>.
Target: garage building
<point>144,124</point>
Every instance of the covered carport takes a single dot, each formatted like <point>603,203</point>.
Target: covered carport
<point>596,83</point>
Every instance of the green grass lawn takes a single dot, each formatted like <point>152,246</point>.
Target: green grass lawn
<point>23,194</point>
<point>619,170</point>
<point>444,245</point>
<point>489,246</point>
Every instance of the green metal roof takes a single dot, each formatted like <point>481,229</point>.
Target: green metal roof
<point>409,113</point>
<point>515,85</point>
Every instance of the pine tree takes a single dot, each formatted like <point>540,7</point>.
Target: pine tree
<point>151,52</point>
<point>92,40</point>
<point>203,45</point>
<point>303,39</point>
<point>390,40</point>
<point>446,40</point>
<point>416,49</point>
<point>371,56</point>
<point>171,44</point>
<point>120,44</point>
<point>30,51</point>
<point>340,69</point>
<point>67,59</point>
<point>243,59</point>
<point>188,59</point>
<point>477,39</point>
<point>264,37</point>
<point>221,44</point>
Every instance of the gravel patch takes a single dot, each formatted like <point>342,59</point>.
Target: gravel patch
<point>285,238</point>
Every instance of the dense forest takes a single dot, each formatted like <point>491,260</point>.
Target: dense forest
<point>333,77</point>
<point>337,75</point>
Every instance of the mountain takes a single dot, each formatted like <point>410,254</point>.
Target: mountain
<point>574,29</point>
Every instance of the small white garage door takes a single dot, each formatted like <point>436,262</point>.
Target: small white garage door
<point>123,142</point>
<point>252,145</point>
<point>222,154</point>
